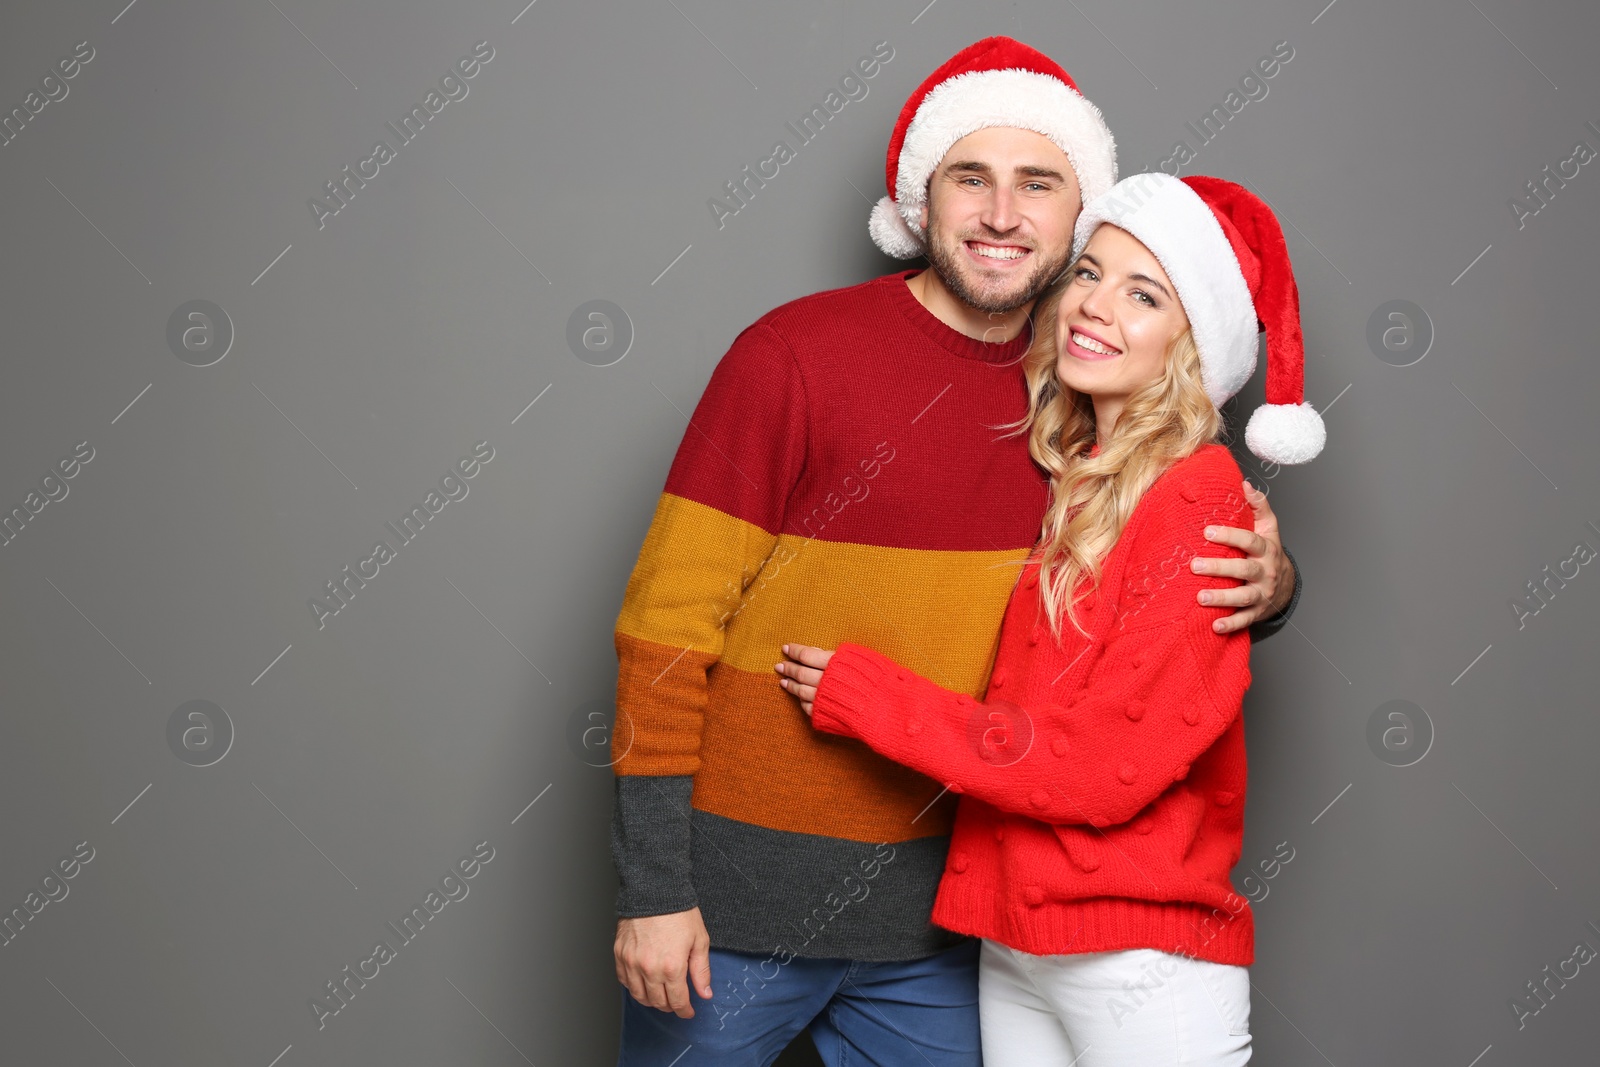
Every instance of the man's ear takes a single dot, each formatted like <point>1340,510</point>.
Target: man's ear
<point>923,216</point>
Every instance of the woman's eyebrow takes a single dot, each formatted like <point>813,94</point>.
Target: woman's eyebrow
<point>1152,281</point>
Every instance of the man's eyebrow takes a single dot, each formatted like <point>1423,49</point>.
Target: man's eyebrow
<point>1031,170</point>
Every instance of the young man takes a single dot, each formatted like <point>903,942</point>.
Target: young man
<point>843,478</point>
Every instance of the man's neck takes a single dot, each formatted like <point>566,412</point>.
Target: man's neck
<point>942,304</point>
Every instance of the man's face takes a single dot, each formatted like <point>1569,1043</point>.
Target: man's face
<point>999,218</point>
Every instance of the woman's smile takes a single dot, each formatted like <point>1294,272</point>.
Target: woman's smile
<point>1085,345</point>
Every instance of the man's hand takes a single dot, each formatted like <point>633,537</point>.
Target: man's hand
<point>1266,571</point>
<point>657,952</point>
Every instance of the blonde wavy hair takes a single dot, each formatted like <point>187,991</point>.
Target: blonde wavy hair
<point>1092,497</point>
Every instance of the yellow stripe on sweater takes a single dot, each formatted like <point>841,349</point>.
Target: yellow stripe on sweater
<point>685,587</point>
<point>937,612</point>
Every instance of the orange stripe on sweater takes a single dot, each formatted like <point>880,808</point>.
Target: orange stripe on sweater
<point>762,763</point>
<point>754,755</point>
<point>661,699</point>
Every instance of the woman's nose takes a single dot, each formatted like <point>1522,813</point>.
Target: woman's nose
<point>1097,305</point>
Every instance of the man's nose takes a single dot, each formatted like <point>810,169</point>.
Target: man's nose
<point>1001,214</point>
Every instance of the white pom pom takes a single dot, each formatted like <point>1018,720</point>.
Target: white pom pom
<point>890,232</point>
<point>1285,433</point>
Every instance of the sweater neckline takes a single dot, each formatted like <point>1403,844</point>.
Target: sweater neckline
<point>953,341</point>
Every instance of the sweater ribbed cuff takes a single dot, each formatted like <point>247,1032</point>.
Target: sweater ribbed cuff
<point>1218,933</point>
<point>856,679</point>
<point>650,838</point>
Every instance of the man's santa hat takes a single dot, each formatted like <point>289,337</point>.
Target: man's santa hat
<point>1224,250</point>
<point>995,82</point>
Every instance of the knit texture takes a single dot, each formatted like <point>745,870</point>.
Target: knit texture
<point>841,479</point>
<point>1102,779</point>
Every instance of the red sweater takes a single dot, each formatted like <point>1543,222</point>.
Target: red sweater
<point>1103,780</point>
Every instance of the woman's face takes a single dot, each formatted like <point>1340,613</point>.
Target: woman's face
<point>1117,317</point>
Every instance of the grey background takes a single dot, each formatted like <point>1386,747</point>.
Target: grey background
<point>433,710</point>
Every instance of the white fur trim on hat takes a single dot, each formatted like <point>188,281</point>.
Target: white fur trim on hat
<point>1178,227</point>
<point>1015,98</point>
<point>890,232</point>
<point>1285,433</point>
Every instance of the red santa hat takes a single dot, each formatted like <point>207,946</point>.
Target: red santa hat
<point>995,82</point>
<point>1224,250</point>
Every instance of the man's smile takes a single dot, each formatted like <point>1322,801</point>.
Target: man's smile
<point>1001,256</point>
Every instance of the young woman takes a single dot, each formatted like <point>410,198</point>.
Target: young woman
<point>1103,774</point>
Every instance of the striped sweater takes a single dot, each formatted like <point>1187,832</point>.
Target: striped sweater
<point>843,478</point>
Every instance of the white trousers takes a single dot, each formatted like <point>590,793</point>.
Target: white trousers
<point>1131,1008</point>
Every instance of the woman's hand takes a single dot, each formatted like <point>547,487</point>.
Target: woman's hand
<point>802,672</point>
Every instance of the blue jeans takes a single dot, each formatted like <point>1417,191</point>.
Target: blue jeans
<point>916,1012</point>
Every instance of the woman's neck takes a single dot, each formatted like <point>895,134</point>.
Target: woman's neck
<point>1106,411</point>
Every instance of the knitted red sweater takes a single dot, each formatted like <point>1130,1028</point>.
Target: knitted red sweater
<point>1103,779</point>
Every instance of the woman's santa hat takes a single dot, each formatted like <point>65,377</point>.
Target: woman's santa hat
<point>1224,250</point>
<point>995,82</point>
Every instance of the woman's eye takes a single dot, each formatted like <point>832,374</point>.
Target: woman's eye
<point>1144,298</point>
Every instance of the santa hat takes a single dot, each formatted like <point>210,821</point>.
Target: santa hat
<point>1224,250</point>
<point>995,82</point>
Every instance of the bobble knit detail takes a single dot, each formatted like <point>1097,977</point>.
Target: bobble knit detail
<point>1136,771</point>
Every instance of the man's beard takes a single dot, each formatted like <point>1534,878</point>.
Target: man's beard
<point>950,264</point>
